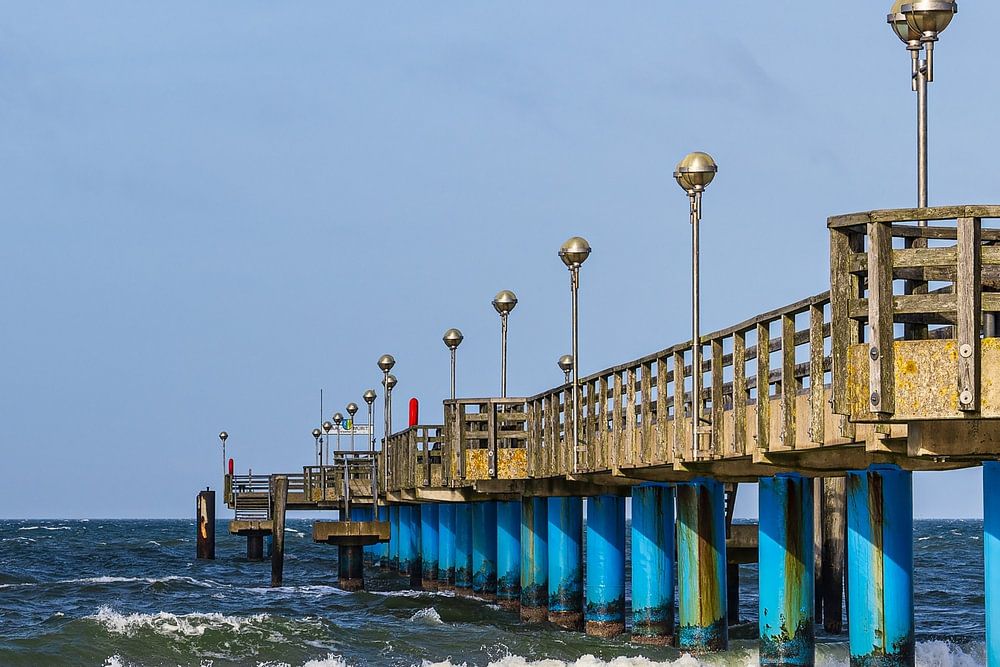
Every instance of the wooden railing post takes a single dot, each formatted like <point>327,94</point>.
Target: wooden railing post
<point>763,387</point>
<point>880,319</point>
<point>817,394</point>
<point>968,288</point>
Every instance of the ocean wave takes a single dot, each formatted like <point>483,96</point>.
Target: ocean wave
<point>414,594</point>
<point>928,654</point>
<point>140,580</point>
<point>428,616</point>
<point>45,528</point>
<point>310,589</point>
<point>171,625</point>
<point>330,660</point>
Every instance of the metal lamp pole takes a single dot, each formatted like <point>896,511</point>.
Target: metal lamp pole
<point>693,174</point>
<point>370,397</point>
<point>574,253</point>
<point>452,339</point>
<point>352,409</point>
<point>504,303</point>
<point>918,25</point>
<point>385,364</point>
<point>325,451</point>
<point>223,436</point>
<point>566,365</point>
<point>316,433</point>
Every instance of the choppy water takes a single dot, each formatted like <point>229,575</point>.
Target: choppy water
<point>116,593</point>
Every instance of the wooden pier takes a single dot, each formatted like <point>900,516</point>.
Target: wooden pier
<point>866,382</point>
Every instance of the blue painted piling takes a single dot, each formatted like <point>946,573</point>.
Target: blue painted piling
<point>350,567</point>
<point>484,549</point>
<point>653,564</point>
<point>509,554</point>
<point>446,546</point>
<point>787,586</point>
<point>605,607</point>
<point>409,543</point>
<point>382,548</point>
<point>565,542</point>
<point>701,566</point>
<point>429,546</point>
<point>463,548</point>
<point>880,573</point>
<point>364,514</point>
<point>394,537</point>
<point>534,560</point>
<point>991,548</point>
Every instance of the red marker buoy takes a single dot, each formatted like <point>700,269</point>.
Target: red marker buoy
<point>231,466</point>
<point>414,411</point>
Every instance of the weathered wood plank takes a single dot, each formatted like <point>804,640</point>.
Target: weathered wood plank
<point>661,447</point>
<point>718,440</point>
<point>630,425</point>
<point>616,429</point>
<point>680,421</point>
<point>914,214</point>
<point>880,318</point>
<point>646,413</point>
<point>763,389</point>
<point>739,393</point>
<point>789,383</point>
<point>817,399</point>
<point>969,305</point>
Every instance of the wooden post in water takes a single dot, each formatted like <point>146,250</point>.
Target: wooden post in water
<point>280,497</point>
<point>834,506</point>
<point>205,522</point>
<point>818,485</point>
<point>732,569</point>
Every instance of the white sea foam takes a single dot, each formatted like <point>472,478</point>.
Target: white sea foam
<point>45,528</point>
<point>928,654</point>
<point>428,616</point>
<point>141,580</point>
<point>330,660</point>
<point>166,624</point>
<point>314,589</point>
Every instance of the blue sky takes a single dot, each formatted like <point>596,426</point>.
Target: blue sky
<point>212,210</point>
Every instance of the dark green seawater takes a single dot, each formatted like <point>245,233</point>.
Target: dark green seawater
<point>114,593</point>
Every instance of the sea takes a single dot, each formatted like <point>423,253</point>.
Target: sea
<point>112,593</point>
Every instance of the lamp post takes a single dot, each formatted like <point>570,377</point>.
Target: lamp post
<point>325,453</point>
<point>385,364</point>
<point>452,339</point>
<point>504,302</point>
<point>338,420</point>
<point>693,174</point>
<point>574,253</point>
<point>317,434</point>
<point>369,397</point>
<point>352,409</point>
<point>566,365</point>
<point>223,436</point>
<point>918,25</point>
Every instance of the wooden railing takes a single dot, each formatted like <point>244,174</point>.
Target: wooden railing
<point>782,381</point>
<point>638,413</point>
<point>935,286</point>
<point>415,457</point>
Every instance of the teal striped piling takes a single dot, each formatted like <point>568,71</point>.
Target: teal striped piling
<point>565,542</point>
<point>991,553</point>
<point>394,538</point>
<point>409,544</point>
<point>446,546</point>
<point>484,549</point>
<point>534,560</point>
<point>653,564</point>
<point>701,566</point>
<point>429,547</point>
<point>463,548</point>
<point>880,566</point>
<point>787,585</point>
<point>382,548</point>
<point>605,607</point>
<point>509,554</point>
